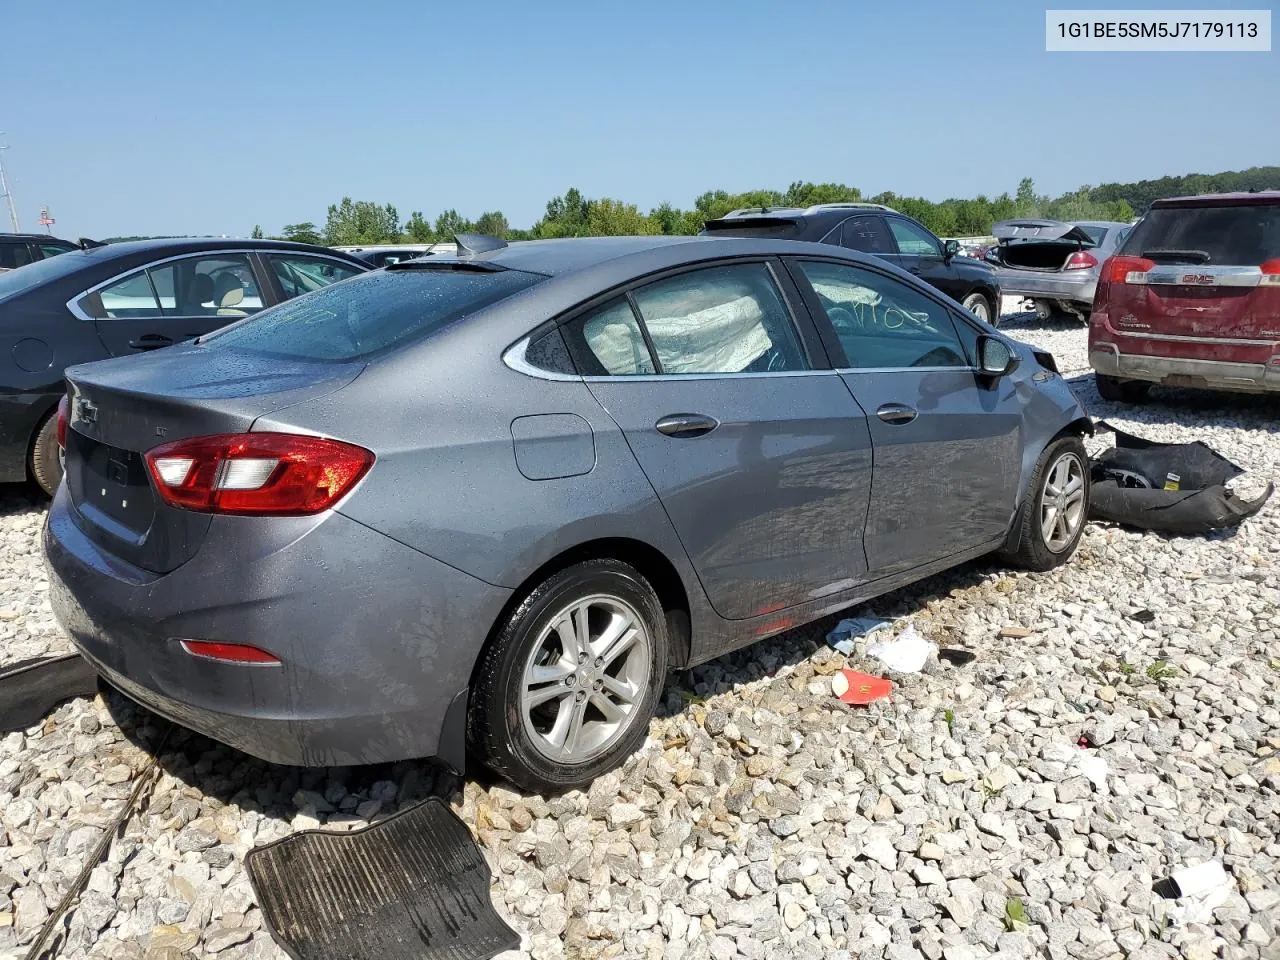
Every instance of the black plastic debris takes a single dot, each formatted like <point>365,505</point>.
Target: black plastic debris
<point>30,689</point>
<point>1143,616</point>
<point>412,887</point>
<point>955,656</point>
<point>1167,487</point>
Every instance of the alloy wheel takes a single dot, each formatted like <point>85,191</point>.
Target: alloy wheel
<point>1062,506</point>
<point>585,678</point>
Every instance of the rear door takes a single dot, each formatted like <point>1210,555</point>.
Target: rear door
<point>868,234</point>
<point>1211,275</point>
<point>171,301</point>
<point>759,454</point>
<point>947,449</point>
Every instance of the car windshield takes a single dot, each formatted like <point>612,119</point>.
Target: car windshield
<point>370,313</point>
<point>1237,235</point>
<point>40,272</point>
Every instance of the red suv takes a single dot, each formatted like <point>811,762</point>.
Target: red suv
<point>1192,299</point>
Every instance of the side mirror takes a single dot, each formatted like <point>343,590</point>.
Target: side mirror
<point>950,249</point>
<point>995,357</point>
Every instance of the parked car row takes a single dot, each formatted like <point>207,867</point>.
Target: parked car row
<point>482,502</point>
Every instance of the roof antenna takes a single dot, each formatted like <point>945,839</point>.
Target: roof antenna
<point>474,244</point>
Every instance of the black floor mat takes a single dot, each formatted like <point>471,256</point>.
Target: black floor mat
<point>412,887</point>
<point>29,690</point>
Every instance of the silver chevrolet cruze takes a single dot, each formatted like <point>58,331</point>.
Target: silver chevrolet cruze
<point>479,504</point>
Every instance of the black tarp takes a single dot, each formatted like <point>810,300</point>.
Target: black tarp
<point>1129,486</point>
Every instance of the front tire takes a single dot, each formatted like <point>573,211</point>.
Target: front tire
<point>565,690</point>
<point>46,464</point>
<point>1051,519</point>
<point>980,307</point>
<point>1121,391</point>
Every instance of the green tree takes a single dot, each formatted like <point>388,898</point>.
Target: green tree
<point>257,232</point>
<point>418,229</point>
<point>304,232</point>
<point>361,221</point>
<point>493,223</point>
<point>613,218</point>
<point>1025,198</point>
<point>450,223</point>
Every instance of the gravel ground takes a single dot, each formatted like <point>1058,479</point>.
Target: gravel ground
<point>763,818</point>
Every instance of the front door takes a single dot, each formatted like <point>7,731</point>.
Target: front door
<point>921,253</point>
<point>173,301</point>
<point>762,462</point>
<point>947,446</point>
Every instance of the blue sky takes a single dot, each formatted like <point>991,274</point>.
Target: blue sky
<point>160,117</point>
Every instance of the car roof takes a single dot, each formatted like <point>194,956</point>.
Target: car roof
<point>569,254</point>
<point>42,237</point>
<point>1220,199</point>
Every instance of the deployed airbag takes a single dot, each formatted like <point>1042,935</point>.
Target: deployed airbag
<point>1130,480</point>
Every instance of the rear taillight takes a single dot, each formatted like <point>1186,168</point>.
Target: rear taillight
<point>229,652</point>
<point>1128,269</point>
<point>1271,273</point>
<point>64,406</point>
<point>1080,261</point>
<point>270,474</point>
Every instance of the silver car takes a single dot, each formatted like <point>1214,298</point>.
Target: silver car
<point>1053,263</point>
<point>485,502</point>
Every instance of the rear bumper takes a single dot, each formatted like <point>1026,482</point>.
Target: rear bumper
<point>1186,372</point>
<point>1052,286</point>
<point>375,640</point>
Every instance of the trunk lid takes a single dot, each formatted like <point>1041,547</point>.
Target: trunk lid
<point>1205,277</point>
<point>1007,230</point>
<point>119,409</point>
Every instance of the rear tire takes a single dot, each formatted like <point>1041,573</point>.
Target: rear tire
<point>547,716</point>
<point>980,307</point>
<point>1121,391</point>
<point>1054,512</point>
<point>46,463</point>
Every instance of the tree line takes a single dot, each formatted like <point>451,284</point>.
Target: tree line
<point>357,222</point>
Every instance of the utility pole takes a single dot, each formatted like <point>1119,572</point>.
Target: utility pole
<point>4,192</point>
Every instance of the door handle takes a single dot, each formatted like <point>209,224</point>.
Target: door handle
<point>896,413</point>
<point>151,341</point>
<point>686,425</point>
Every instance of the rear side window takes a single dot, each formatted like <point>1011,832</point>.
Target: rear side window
<point>607,342</point>
<point>1242,236</point>
<point>370,313</point>
<point>14,255</point>
<point>729,319</point>
<point>868,234</point>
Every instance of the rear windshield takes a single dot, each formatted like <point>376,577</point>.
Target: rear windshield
<point>1096,234</point>
<point>1242,236</point>
<point>370,313</point>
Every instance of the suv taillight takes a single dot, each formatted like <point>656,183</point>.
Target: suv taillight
<point>265,474</point>
<point>1080,261</point>
<point>1271,273</point>
<point>1127,269</point>
<point>64,407</point>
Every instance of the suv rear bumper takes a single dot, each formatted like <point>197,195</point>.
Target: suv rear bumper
<point>1077,286</point>
<point>1186,372</point>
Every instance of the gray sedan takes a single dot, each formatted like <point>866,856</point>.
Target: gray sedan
<point>1053,263</point>
<point>484,502</point>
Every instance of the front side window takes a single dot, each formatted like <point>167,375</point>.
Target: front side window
<point>299,274</point>
<point>883,323</point>
<point>726,319</point>
<point>914,240</point>
<point>374,312</point>
<point>868,234</point>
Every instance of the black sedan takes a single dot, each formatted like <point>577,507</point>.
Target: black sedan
<point>122,298</point>
<point>879,230</point>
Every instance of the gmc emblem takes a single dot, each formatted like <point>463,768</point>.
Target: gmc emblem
<point>1198,279</point>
